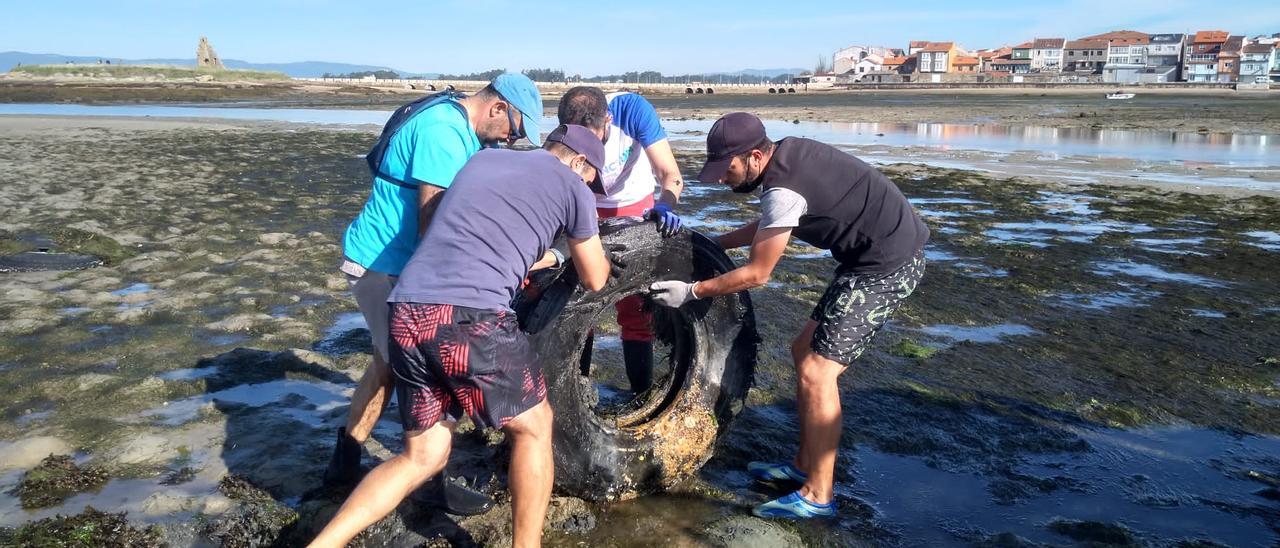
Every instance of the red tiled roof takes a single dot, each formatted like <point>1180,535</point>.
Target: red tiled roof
<point>1211,37</point>
<point>918,43</point>
<point>1258,48</point>
<point>939,46</point>
<point>1047,43</point>
<point>1087,44</point>
<point>894,61</point>
<point>966,61</point>
<point>1024,45</point>
<point>1122,37</point>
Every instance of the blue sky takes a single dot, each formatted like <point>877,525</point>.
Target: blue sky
<point>583,37</point>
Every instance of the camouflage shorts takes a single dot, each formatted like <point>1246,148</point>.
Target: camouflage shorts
<point>855,307</point>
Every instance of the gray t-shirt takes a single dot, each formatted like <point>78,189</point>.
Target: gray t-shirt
<point>502,212</point>
<point>781,208</point>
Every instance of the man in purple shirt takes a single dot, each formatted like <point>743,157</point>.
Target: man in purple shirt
<point>455,344</point>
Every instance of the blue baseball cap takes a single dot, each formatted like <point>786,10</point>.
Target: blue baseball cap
<point>521,92</point>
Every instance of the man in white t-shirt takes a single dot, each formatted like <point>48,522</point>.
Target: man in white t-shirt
<point>638,160</point>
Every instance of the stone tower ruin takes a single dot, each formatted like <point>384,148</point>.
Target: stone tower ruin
<point>205,56</point>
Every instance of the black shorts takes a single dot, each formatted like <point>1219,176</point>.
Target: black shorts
<point>855,307</point>
<point>449,360</point>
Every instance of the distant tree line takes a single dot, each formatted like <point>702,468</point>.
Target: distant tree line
<point>379,74</point>
<point>556,75</point>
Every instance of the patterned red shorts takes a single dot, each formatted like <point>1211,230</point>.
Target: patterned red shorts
<point>449,360</point>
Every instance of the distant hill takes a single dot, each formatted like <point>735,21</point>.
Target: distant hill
<point>768,73</point>
<point>301,69</point>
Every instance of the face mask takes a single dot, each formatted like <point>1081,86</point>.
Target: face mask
<point>749,186</point>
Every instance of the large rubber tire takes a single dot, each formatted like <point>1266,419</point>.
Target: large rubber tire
<point>667,436</point>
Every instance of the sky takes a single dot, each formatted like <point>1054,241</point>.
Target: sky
<point>586,38</point>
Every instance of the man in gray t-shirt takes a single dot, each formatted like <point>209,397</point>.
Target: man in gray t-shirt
<point>455,344</point>
<point>833,201</point>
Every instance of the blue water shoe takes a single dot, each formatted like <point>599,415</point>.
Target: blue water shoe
<point>795,506</point>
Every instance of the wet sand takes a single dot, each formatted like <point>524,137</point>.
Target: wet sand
<point>1082,362</point>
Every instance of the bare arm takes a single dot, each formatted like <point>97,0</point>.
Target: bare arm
<point>666,170</point>
<point>590,262</point>
<point>428,198</point>
<point>547,261</point>
<point>766,249</point>
<point>739,237</point>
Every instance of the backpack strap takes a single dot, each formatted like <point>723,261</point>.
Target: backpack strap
<point>384,140</point>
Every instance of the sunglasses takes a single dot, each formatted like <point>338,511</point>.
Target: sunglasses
<point>514,133</point>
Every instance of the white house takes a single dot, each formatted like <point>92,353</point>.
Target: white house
<point>1046,54</point>
<point>845,59</point>
<point>1256,61</point>
<point>870,63</point>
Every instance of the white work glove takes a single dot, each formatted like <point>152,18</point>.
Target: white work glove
<point>672,293</point>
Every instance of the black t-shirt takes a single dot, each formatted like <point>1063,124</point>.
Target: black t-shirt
<point>849,207</point>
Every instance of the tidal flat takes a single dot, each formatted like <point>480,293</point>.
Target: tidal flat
<point>1082,363</point>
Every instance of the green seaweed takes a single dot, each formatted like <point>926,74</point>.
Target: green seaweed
<point>56,478</point>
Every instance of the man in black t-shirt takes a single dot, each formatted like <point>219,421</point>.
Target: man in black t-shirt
<point>832,201</point>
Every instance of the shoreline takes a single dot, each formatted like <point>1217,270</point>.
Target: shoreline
<point>1175,109</point>
<point>1010,167</point>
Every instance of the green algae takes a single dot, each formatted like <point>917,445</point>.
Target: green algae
<point>908,348</point>
<point>56,478</point>
<point>89,529</point>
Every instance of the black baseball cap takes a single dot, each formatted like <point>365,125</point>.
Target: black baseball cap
<point>584,142</point>
<point>733,134</point>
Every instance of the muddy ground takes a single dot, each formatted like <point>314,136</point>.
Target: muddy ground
<point>1082,364</point>
<point>1183,110</point>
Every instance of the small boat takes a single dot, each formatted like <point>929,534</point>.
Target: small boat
<point>1120,95</point>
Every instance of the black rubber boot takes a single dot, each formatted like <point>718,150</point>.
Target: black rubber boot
<point>453,495</point>
<point>344,466</point>
<point>638,357</point>
<point>584,362</point>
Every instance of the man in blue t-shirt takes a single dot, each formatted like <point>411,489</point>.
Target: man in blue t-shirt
<point>422,159</point>
<point>638,161</point>
<point>456,346</point>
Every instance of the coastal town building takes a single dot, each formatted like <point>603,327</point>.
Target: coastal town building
<point>1256,61</point>
<point>846,59</point>
<point>870,63</point>
<point>1275,63</point>
<point>937,59</point>
<point>1046,54</point>
<point>916,46</point>
<point>1229,59</point>
<point>1200,58</point>
<point>1018,61</point>
<point>1085,57</point>
<point>1163,59</point>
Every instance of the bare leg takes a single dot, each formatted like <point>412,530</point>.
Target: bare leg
<point>818,399</point>
<point>531,474</point>
<point>382,490</point>
<point>369,399</point>
<point>800,349</point>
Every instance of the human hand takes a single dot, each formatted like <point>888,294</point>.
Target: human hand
<point>669,224</point>
<point>672,293</point>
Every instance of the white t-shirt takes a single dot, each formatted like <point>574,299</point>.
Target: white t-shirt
<point>628,176</point>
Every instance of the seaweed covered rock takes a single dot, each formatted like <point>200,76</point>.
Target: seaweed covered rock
<point>90,528</point>
<point>56,478</point>
<point>258,521</point>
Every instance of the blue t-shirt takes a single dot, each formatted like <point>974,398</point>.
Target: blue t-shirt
<point>502,213</point>
<point>429,149</point>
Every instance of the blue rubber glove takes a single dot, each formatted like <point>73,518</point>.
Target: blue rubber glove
<point>669,223</point>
